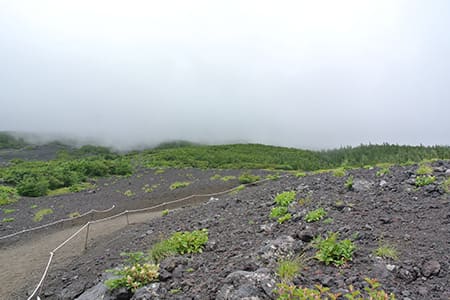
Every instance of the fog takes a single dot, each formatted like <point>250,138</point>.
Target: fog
<point>309,74</point>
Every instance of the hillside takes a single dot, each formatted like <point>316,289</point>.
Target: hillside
<point>396,223</point>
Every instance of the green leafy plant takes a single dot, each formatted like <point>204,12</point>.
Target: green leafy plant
<point>247,177</point>
<point>424,180</point>
<point>159,171</point>
<point>424,169</point>
<point>179,184</point>
<point>315,215</point>
<point>374,291</point>
<point>349,183</point>
<point>165,212</point>
<point>278,211</point>
<point>7,220</point>
<point>284,218</point>
<point>133,277</point>
<point>179,242</point>
<point>8,195</point>
<point>33,206</point>
<point>285,198</point>
<point>38,216</point>
<point>328,221</point>
<point>8,210</point>
<point>332,251</point>
<point>189,242</point>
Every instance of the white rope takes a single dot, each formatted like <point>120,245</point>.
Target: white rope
<point>125,212</point>
<point>57,222</point>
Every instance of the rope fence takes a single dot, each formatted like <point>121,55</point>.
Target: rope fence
<point>86,226</point>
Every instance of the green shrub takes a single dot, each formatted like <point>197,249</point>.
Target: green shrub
<point>285,198</point>
<point>38,216</point>
<point>238,189</point>
<point>315,215</point>
<point>300,174</point>
<point>424,170</point>
<point>165,212</point>
<point>133,277</point>
<point>8,195</point>
<point>75,214</point>
<point>179,184</point>
<point>8,210</point>
<point>7,220</point>
<point>424,180</point>
<point>248,178</point>
<point>33,186</point>
<point>330,250</point>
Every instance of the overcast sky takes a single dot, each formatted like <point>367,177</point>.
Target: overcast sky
<point>310,74</point>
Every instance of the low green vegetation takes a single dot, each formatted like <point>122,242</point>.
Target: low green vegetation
<point>7,220</point>
<point>38,216</point>
<point>386,250</point>
<point>8,195</point>
<point>330,250</point>
<point>287,269</point>
<point>71,189</point>
<point>373,291</point>
<point>238,189</point>
<point>300,174</point>
<point>382,172</point>
<point>247,177</point>
<point>165,212</point>
<point>8,210</point>
<point>285,198</point>
<point>179,242</point>
<point>179,184</point>
<point>282,201</point>
<point>215,177</point>
<point>315,215</point>
<point>141,269</point>
<point>159,171</point>
<point>349,183</point>
<point>446,185</point>
<point>228,178</point>
<point>339,172</point>
<point>129,193</point>
<point>273,176</point>
<point>75,214</point>
<point>37,178</point>
<point>425,180</point>
<point>424,169</point>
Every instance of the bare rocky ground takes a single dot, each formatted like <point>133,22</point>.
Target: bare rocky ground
<point>245,245</point>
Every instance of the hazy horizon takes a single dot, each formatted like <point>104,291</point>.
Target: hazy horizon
<point>313,75</point>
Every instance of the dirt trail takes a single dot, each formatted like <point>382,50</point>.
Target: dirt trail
<point>26,262</point>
